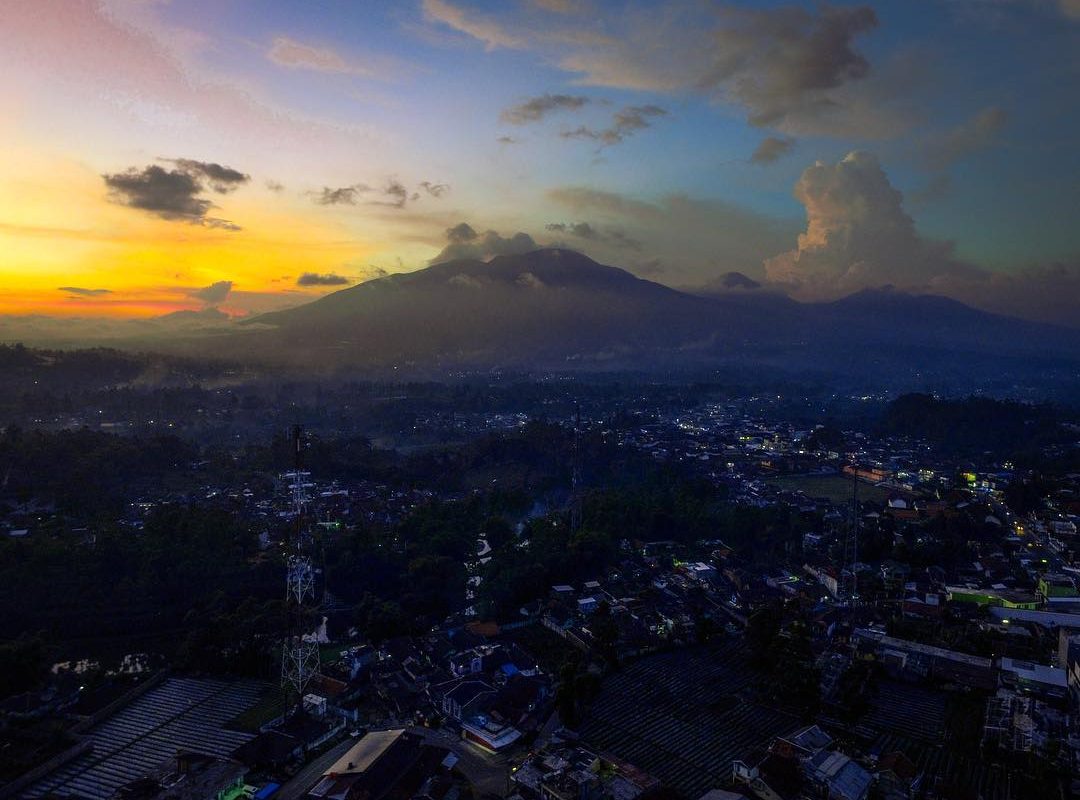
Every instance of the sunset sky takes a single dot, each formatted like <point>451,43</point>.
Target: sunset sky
<point>249,155</point>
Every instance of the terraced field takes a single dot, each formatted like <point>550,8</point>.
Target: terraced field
<point>914,720</point>
<point>683,717</point>
<point>180,714</point>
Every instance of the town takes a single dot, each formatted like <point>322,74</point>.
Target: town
<point>699,598</point>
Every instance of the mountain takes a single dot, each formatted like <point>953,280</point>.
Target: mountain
<point>729,282</point>
<point>547,307</point>
<point>556,309</point>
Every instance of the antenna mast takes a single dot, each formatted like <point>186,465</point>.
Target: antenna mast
<point>851,541</point>
<point>300,650</point>
<point>575,475</point>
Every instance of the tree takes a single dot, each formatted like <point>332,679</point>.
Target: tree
<point>606,632</point>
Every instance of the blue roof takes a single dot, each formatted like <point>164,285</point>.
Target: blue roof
<point>266,791</point>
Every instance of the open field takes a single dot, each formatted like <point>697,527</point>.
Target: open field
<point>835,487</point>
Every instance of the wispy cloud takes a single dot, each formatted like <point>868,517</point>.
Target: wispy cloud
<point>81,292</point>
<point>624,124</point>
<point>771,149</point>
<point>287,52</point>
<point>536,108</point>
<point>481,28</point>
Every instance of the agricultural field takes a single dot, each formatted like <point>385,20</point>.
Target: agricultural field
<point>836,488</point>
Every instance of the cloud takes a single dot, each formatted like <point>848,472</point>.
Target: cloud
<point>344,195</point>
<point>771,149</point>
<point>566,6</point>
<point>221,179</point>
<point>506,140</point>
<point>395,190</point>
<point>398,192</point>
<point>625,123</point>
<point>1070,8</point>
<point>175,194</point>
<point>589,232</point>
<point>693,240</point>
<point>789,67</point>
<point>483,29</point>
<point>290,53</point>
<point>536,108</point>
<point>977,133</point>
<point>214,293</point>
<point>463,241</point>
<point>858,235</point>
<point>782,62</point>
<point>275,186</point>
<point>436,190</point>
<point>317,279</point>
<point>81,292</point>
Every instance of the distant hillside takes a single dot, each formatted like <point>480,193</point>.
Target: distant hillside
<point>557,310</point>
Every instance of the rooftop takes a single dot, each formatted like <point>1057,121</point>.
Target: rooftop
<point>364,753</point>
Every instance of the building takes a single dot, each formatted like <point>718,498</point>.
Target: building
<point>193,776</point>
<point>380,765</point>
<point>837,776</point>
<point>923,660</point>
<point>993,597</point>
<point>1045,683</point>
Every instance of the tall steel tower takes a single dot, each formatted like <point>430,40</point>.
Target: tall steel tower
<point>850,588</point>
<point>575,475</point>
<point>300,649</point>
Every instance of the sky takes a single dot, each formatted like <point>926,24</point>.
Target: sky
<point>239,156</point>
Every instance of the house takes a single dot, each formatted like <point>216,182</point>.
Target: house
<point>464,697</point>
<point>838,776</point>
<point>382,764</point>
<point>192,776</point>
<point>897,776</point>
<point>768,776</point>
<point>803,743</point>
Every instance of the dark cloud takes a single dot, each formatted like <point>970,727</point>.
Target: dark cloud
<point>782,62</point>
<point>275,186</point>
<point>771,149</point>
<point>394,194</point>
<point>175,194</point>
<point>977,133</point>
<point>317,279</point>
<point>172,194</point>
<point>463,241</point>
<point>214,293</point>
<point>461,233</point>
<point>536,108</point>
<point>857,235</point>
<point>344,195</point>
<point>506,140</point>
<point>399,194</point>
<point>81,292</point>
<point>221,179</point>
<point>434,189</point>
<point>589,232</point>
<point>625,123</point>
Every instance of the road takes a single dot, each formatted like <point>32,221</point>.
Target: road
<point>487,772</point>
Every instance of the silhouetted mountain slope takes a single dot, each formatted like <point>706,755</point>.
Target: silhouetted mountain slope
<point>552,308</point>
